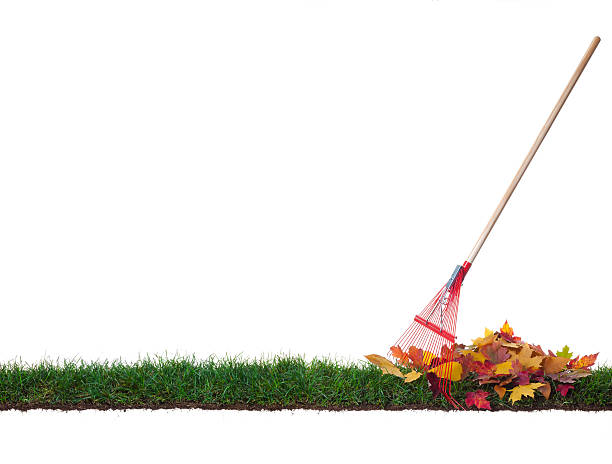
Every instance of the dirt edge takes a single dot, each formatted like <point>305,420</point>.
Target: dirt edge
<point>82,406</point>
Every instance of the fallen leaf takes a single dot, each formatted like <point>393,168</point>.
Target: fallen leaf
<point>402,356</point>
<point>545,389</point>
<point>387,366</point>
<point>565,352</point>
<point>564,388</point>
<point>507,329</point>
<point>522,378</point>
<point>510,344</point>
<point>585,361</point>
<point>478,399</point>
<point>428,358</point>
<point>412,376</point>
<point>446,353</point>
<point>538,349</point>
<point>434,383</point>
<point>449,370</point>
<point>476,355</point>
<point>501,391</point>
<point>554,364</point>
<point>416,356</point>
<point>519,391</point>
<point>495,353</point>
<point>570,376</point>
<point>488,338</point>
<point>527,360</point>
<point>503,368</point>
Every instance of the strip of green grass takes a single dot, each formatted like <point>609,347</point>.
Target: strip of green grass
<point>279,382</point>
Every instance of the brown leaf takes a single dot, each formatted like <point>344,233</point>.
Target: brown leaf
<point>545,389</point>
<point>570,376</point>
<point>554,364</point>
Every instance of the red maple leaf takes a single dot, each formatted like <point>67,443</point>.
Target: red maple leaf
<point>434,383</point>
<point>563,388</point>
<point>478,399</point>
<point>523,378</point>
<point>484,368</point>
<point>585,362</point>
<point>495,353</point>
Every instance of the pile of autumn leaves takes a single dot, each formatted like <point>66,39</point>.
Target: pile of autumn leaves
<point>499,358</point>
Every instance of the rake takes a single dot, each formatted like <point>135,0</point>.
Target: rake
<point>433,329</point>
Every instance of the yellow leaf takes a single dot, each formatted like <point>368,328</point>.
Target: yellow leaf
<point>412,376</point>
<point>503,368</point>
<point>387,366</point>
<point>450,370</point>
<point>527,360</point>
<point>554,364</point>
<point>476,356</point>
<point>523,390</point>
<point>428,357</point>
<point>501,391</point>
<point>488,338</point>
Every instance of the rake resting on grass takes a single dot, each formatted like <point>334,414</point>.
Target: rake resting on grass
<point>433,330</point>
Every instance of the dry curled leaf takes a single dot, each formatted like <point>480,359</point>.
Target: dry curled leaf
<point>387,366</point>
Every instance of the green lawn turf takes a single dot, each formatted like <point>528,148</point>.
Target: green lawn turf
<point>279,382</point>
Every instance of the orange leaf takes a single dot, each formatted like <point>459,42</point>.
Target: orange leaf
<point>585,361</point>
<point>397,352</point>
<point>507,329</point>
<point>501,391</point>
<point>554,364</point>
<point>545,389</point>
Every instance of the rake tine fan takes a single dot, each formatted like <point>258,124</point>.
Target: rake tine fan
<point>433,329</point>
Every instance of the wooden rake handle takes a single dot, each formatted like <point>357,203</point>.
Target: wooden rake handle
<point>534,148</point>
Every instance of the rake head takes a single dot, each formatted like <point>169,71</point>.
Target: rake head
<point>433,331</point>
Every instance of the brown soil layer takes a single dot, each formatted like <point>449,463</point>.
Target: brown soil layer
<point>82,406</point>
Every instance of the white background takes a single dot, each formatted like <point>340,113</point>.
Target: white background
<point>297,177</point>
